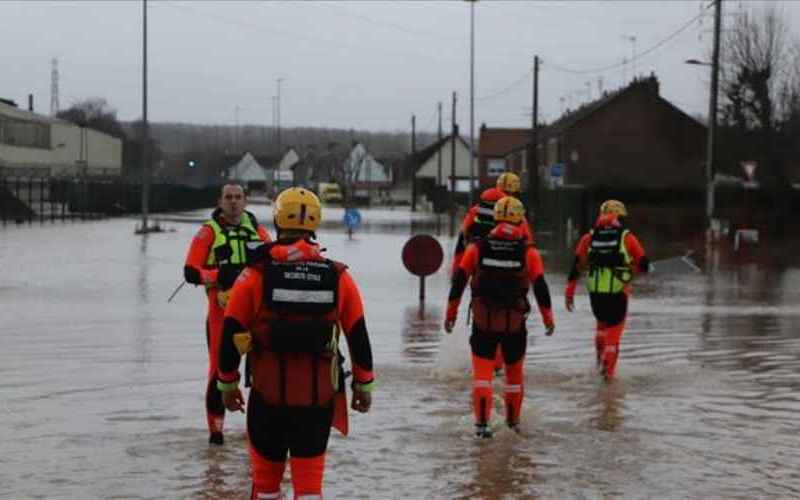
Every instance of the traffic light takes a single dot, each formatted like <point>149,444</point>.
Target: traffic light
<point>192,163</point>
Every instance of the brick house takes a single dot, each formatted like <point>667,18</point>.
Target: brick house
<point>494,146</point>
<point>628,139</point>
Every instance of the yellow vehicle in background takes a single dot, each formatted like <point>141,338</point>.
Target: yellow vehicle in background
<point>329,192</point>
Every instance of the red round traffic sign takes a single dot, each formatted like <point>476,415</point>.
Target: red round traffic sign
<point>422,255</point>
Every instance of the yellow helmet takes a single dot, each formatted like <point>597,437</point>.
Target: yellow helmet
<point>508,182</point>
<point>297,208</point>
<point>509,209</point>
<point>615,207</point>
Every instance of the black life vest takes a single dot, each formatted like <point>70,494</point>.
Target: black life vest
<point>500,286</point>
<point>303,297</point>
<point>294,361</point>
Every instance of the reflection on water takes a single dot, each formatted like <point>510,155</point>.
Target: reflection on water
<point>608,405</point>
<point>422,327</point>
<point>501,468</point>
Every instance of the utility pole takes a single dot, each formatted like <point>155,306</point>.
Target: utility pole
<point>413,163</point>
<point>275,121</point>
<point>471,99</point>
<point>278,116</point>
<point>236,129</point>
<point>54,88</point>
<point>533,164</point>
<point>145,131</point>
<point>439,150</point>
<point>453,136</point>
<point>712,119</point>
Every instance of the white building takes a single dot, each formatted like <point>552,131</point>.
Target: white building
<point>34,144</point>
<point>441,153</point>
<point>364,170</point>
<point>247,170</point>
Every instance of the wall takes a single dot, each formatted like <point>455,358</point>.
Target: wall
<point>637,140</point>
<point>103,152</point>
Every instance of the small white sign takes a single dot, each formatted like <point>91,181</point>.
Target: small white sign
<point>284,175</point>
<point>749,168</point>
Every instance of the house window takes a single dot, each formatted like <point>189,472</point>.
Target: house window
<point>25,134</point>
<point>495,166</point>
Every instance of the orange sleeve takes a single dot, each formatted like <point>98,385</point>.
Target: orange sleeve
<point>245,297</point>
<point>526,229</point>
<point>462,242</point>
<point>198,254</point>
<point>534,264</point>
<point>465,269</point>
<point>351,317</point>
<point>263,233</point>
<point>582,249</point>
<point>469,262</point>
<point>635,250</point>
<point>581,259</point>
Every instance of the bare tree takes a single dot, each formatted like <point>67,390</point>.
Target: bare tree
<point>760,85</point>
<point>94,113</point>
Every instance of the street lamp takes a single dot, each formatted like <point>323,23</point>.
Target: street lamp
<point>278,114</point>
<point>710,142</point>
<point>712,119</point>
<point>471,98</point>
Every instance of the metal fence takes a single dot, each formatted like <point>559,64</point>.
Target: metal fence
<point>28,199</point>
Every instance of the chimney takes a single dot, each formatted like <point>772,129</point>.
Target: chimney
<point>30,103</point>
<point>652,84</point>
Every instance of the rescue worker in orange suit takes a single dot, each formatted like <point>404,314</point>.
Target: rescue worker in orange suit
<point>216,256</point>
<point>502,266</point>
<point>286,313</point>
<point>479,221</point>
<point>612,255</point>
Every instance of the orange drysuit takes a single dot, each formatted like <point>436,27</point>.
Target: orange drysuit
<point>197,271</point>
<point>477,223</point>
<point>294,304</point>
<point>502,268</point>
<point>609,308</point>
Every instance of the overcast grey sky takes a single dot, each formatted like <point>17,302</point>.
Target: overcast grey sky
<point>366,65</point>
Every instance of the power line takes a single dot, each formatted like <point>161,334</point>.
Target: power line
<point>377,22</point>
<point>639,56</point>
<point>511,86</point>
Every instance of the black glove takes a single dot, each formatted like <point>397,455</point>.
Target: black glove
<point>227,275</point>
<point>192,275</point>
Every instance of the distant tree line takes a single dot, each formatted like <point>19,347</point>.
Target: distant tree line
<point>217,145</point>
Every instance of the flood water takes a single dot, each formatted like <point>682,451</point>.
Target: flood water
<point>102,380</point>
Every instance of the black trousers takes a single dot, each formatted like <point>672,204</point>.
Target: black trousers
<point>484,344</point>
<point>610,308</point>
<point>275,431</point>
